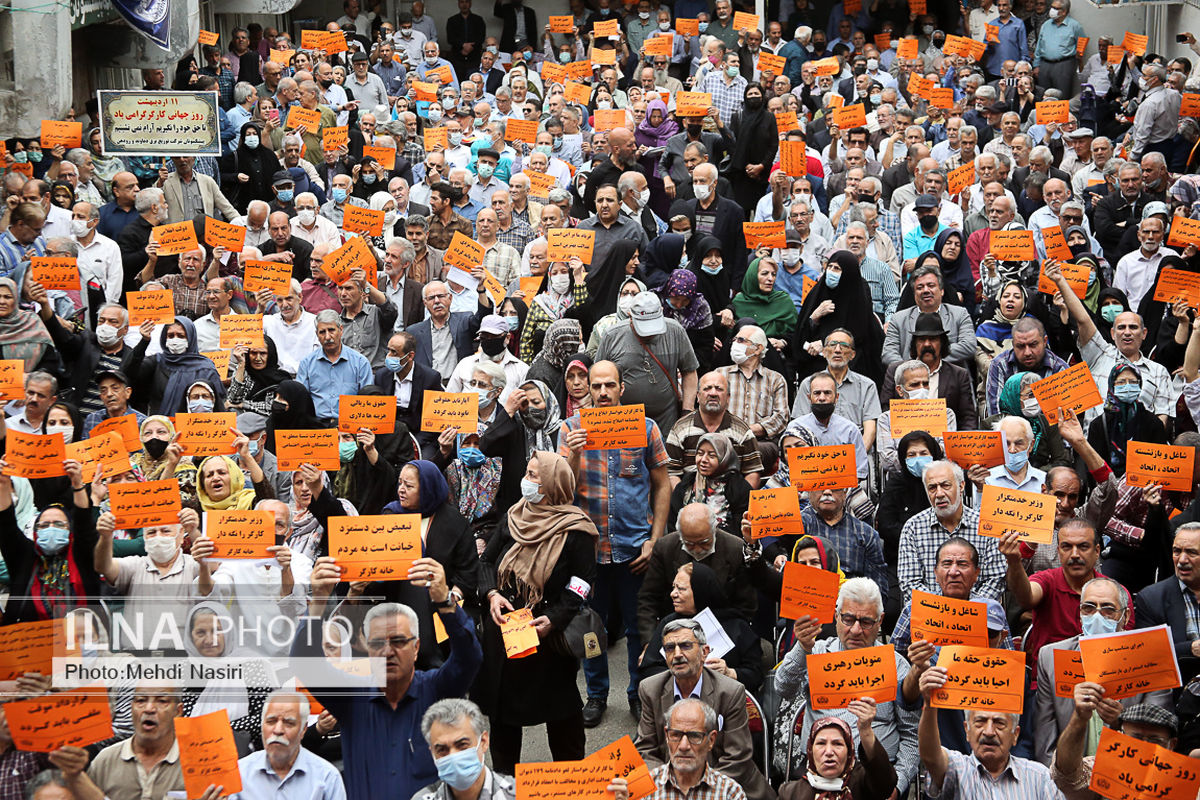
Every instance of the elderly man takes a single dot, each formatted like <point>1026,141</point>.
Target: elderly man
<point>1072,769</point>
<point>1135,272</point>
<point>1015,473</point>
<point>1157,118</point>
<point>1030,353</point>
<point>99,257</point>
<point>719,215</point>
<point>284,246</point>
<point>311,227</point>
<point>366,325</point>
<point>255,223</point>
<point>947,516</point>
<point>956,570</point>
<point>712,416</point>
<point>930,343</point>
<point>218,296</point>
<point>333,370</point>
<point>453,727</point>
<point>191,194</point>
<point>757,395</point>
<point>831,428</point>
<point>400,288</point>
<point>494,337</point>
<point>134,240</point>
<point>857,396</point>
<point>388,756</point>
<point>406,380</point>
<point>1169,601</point>
<point>928,290</point>
<point>293,329</point>
<point>858,617</point>
<point>41,392</point>
<point>445,337</point>
<point>686,649</point>
<point>283,768</point>
<point>115,214</point>
<point>909,381</point>
<point>1119,211</point>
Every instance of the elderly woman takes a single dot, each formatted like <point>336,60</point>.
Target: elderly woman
<point>542,546</point>
<point>563,339</point>
<point>252,387</point>
<point>563,288</point>
<point>683,302</point>
<point>835,768</point>
<point>23,336</point>
<point>1016,399</point>
<point>630,288</point>
<point>716,481</point>
<point>167,376</point>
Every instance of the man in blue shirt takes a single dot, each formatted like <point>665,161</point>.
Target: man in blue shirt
<point>333,370</point>
<point>284,768</point>
<point>384,752</point>
<point>922,238</point>
<point>1013,44</point>
<point>1056,53</point>
<point>118,213</point>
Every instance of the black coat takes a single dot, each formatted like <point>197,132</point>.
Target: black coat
<point>301,253</point>
<point>1162,603</point>
<point>80,353</point>
<point>22,558</point>
<point>727,218</point>
<point>508,13</point>
<point>737,495</point>
<point>132,242</point>
<point>424,380</point>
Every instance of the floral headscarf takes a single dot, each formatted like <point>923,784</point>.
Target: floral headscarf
<point>696,314</point>
<point>835,788</point>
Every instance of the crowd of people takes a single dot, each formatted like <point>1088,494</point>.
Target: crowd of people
<point>883,287</point>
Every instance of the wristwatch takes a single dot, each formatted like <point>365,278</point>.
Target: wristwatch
<point>447,603</point>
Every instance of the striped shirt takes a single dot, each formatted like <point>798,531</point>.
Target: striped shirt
<point>967,779</point>
<point>920,539</point>
<point>760,399</point>
<point>12,256</point>
<point>713,786</point>
<point>685,435</point>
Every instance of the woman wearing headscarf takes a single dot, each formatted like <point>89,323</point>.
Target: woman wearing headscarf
<point>663,256</point>
<point>756,141</point>
<point>683,303</point>
<point>605,279</point>
<point>834,769</point>
<point>51,571</point>
<point>994,334</point>
<point>62,194</point>
<point>383,201</point>
<point>837,301</point>
<point>291,410</point>
<point>628,289</point>
<point>105,168</point>
<point>903,492</point>
<point>1125,419</point>
<point>706,258</point>
<point>23,336</point>
<point>514,311</point>
<point>951,248</point>
<point>365,477</point>
<point>161,457</point>
<point>254,164</point>
<point>563,292</point>
<point>221,483</point>
<point>474,481</point>
<point>167,375</point>
<point>1017,400</point>
<point>308,528</point>
<point>653,132</point>
<point>992,272</point>
<point>254,381</point>
<point>579,394</point>
<point>543,544</point>
<point>715,479</point>
<point>563,339</point>
<point>695,588</point>
<point>771,309</point>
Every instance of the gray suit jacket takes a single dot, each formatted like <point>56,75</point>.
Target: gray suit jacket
<point>955,319</point>
<point>733,754</point>
<point>1052,713</point>
<point>210,193</point>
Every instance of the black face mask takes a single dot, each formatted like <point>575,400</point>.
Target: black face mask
<point>822,411</point>
<point>929,222</point>
<point>155,448</point>
<point>860,70</point>
<point>278,407</point>
<point>491,347</point>
<point>753,103</point>
<point>694,130</point>
<point>325,84</point>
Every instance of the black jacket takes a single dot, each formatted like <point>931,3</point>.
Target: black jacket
<point>508,13</point>
<point>301,253</point>
<point>424,380</point>
<point>726,218</point>
<point>1162,603</point>
<point>80,353</point>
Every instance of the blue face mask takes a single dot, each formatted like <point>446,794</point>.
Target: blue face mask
<point>253,447</point>
<point>917,464</point>
<point>544,149</point>
<point>1098,625</point>
<point>35,156</point>
<point>346,451</point>
<point>514,322</point>
<point>52,540</point>
<point>368,177</point>
<point>712,270</point>
<point>1015,462</point>
<point>484,170</point>
<point>21,157</point>
<point>394,363</point>
<point>1127,392</point>
<point>832,279</point>
<point>286,195</point>
<point>200,405</point>
<point>702,26</point>
<point>459,770</point>
<point>471,456</point>
<point>339,194</point>
<point>1110,312</point>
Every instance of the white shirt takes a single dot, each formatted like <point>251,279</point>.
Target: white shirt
<point>1000,476</point>
<point>950,215</point>
<point>335,97</point>
<point>456,158</point>
<point>250,589</point>
<point>58,223</point>
<point>1136,271</point>
<point>514,373</point>
<point>323,232</point>
<point>208,333</point>
<point>293,340</point>
<point>101,261</point>
<point>463,300</point>
<point>403,387</point>
<point>254,236</point>
<point>1158,394</point>
<point>410,46</point>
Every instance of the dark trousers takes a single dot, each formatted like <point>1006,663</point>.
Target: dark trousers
<point>566,736</point>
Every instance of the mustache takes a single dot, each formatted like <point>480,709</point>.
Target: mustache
<point>283,740</point>
<point>989,740</point>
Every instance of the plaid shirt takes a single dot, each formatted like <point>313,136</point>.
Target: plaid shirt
<point>414,151</point>
<point>188,301</point>
<point>17,768</point>
<point>760,399</point>
<point>920,539</point>
<point>1192,608</point>
<point>713,786</point>
<point>858,544</point>
<point>888,222</point>
<point>1005,365</point>
<point>614,489</point>
<point>518,234</point>
<point>685,435</point>
<point>503,261</point>
<point>727,97</point>
<point>12,255</point>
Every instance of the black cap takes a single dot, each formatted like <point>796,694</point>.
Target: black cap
<point>997,108</point>
<point>282,177</point>
<point>489,152</point>
<point>112,373</point>
<point>926,201</point>
<point>929,324</point>
<point>360,56</point>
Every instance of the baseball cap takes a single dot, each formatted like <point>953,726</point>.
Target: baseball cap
<point>113,373</point>
<point>493,324</point>
<point>282,177</point>
<point>251,422</point>
<point>647,314</point>
<point>996,618</point>
<point>1156,207</point>
<point>926,201</point>
<point>792,236</point>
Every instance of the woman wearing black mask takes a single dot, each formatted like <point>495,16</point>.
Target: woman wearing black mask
<point>291,410</point>
<point>756,141</point>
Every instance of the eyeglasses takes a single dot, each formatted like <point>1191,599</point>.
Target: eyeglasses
<point>839,345</point>
<point>694,738</point>
<point>742,340</point>
<point>683,647</point>
<point>474,384</point>
<point>1107,609</point>
<point>863,622</point>
<point>391,643</point>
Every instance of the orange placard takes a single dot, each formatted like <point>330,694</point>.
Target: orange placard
<point>960,178</point>
<point>273,275</point>
<point>769,62</point>
<point>743,21</point>
<point>494,288</point>
<point>850,116</point>
<point>520,130</point>
<point>44,724</point>
<point>436,137</point>
<point>836,679</point>
<point>425,91</point>
<point>835,100</point>
<point>692,104</point>
<point>1130,769</point>
<point>658,44</point>
<point>941,97</point>
<point>12,379</point>
<point>137,505</point>
<point>375,547</point>
<point>792,159</point>
<point>948,620</point>
<point>606,27</point>
<point>775,512</point>
<point>376,413</point>
<point>1028,514</point>
<point>553,72</point>
<point>1074,389</point>
<point>106,450</point>
<point>567,243</point>
<point>827,467</point>
<point>176,238</point>
<point>604,57</point>
<point>207,753</point>
<point>575,92</point>
<point>611,427</point>
<point>296,448</point>
<point>687,27</point>
<point>441,410</point>
<point>1115,55</point>
<point>919,85</point>
<point>1178,284</point>
<point>1135,43</point>
<point>220,359</point>
<point>605,119</point>
<point>517,631</point>
<point>974,49</point>
<point>240,533</point>
<point>786,121</point>
<point>244,329</point>
<point>208,37</point>
<point>624,759</point>
<point>218,233</point>
<point>57,133</point>
<point>1190,107</point>
<point>442,74</point>
<point>1052,111</point>
<point>152,305</point>
<point>968,448</point>
<point>1068,672</point>
<point>981,678</point>
<point>354,254</point>
<point>580,70</point>
<point>907,48</point>
<point>335,137</point>
<point>55,273</point>
<point>35,455</point>
<point>1081,45</point>
<point>806,286</point>
<point>764,234</point>
<point>530,286</point>
<point>554,780</point>
<point>563,24</point>
<point>1166,465</point>
<point>927,415</point>
<point>1077,278</point>
<point>1128,663</point>
<point>1013,246</point>
<point>955,45</point>
<point>464,252</point>
<point>208,434</point>
<point>883,41</point>
<point>1055,244</point>
<point>310,118</point>
<point>384,155</point>
<point>851,7</point>
<point>808,591</point>
<point>368,221</point>
<point>25,169</point>
<point>29,647</point>
<point>540,183</point>
<point>126,426</point>
<point>991,34</point>
<point>1184,231</point>
<point>282,56</point>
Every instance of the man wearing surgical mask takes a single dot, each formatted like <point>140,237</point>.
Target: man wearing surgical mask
<point>311,227</point>
<point>804,254</point>
<point>1016,472</point>
<point>160,581</point>
<point>458,736</point>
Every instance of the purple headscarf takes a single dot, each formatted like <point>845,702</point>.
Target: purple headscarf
<point>696,314</point>
<point>656,135</point>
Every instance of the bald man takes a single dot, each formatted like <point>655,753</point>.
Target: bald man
<point>622,158</point>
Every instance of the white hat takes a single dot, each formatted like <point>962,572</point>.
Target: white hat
<point>647,314</point>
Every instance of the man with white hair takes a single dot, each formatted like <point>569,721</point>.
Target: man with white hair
<point>947,516</point>
<point>283,761</point>
<point>292,329</point>
<point>858,617</point>
<point>1016,472</point>
<point>311,226</point>
<point>453,727</point>
<point>757,395</point>
<point>99,257</point>
<point>255,222</point>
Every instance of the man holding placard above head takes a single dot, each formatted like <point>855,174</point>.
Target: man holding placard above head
<point>622,484</point>
<point>858,615</point>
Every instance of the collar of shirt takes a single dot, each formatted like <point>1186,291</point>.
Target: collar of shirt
<point>127,753</point>
<point>175,569</point>
<point>695,691</point>
<point>298,766</point>
<point>983,773</point>
<point>668,776</point>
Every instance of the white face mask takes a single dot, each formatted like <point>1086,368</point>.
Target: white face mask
<point>737,352</point>
<point>161,549</point>
<point>917,394</point>
<point>702,192</point>
<point>67,430</point>
<point>603,104</point>
<point>107,335</point>
<point>872,64</point>
<point>560,283</point>
<point>389,219</point>
<point>1054,13</point>
<point>625,304</point>
<point>643,15</point>
<point>643,198</point>
<point>435,117</point>
<point>1030,408</point>
<point>79,228</point>
<point>306,216</point>
<point>176,346</point>
<point>664,26</point>
<point>532,492</point>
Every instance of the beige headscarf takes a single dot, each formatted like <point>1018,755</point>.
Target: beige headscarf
<point>540,529</point>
